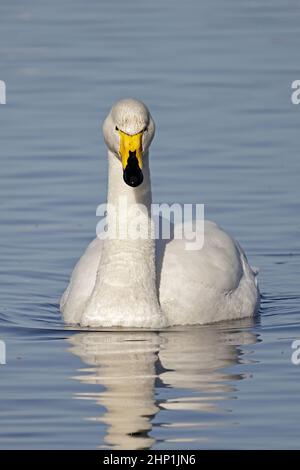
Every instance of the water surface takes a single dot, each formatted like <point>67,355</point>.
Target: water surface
<point>217,79</point>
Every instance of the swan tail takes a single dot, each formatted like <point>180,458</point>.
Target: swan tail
<point>255,270</point>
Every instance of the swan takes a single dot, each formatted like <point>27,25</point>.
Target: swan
<point>140,282</point>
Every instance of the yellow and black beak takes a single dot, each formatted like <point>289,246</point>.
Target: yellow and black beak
<point>131,150</point>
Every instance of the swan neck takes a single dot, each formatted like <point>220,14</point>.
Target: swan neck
<point>118,188</point>
<point>126,287</point>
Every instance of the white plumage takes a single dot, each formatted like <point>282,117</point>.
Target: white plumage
<point>147,283</point>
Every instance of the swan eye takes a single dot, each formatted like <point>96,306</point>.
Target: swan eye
<point>146,129</point>
<point>116,128</point>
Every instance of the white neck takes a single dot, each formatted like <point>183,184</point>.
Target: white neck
<point>117,188</point>
<point>125,289</point>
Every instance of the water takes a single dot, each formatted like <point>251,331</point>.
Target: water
<point>217,79</point>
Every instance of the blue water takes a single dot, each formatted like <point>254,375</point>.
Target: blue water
<point>217,78</point>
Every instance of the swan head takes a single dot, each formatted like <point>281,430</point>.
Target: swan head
<point>128,131</point>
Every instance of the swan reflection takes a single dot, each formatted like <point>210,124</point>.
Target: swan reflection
<point>146,372</point>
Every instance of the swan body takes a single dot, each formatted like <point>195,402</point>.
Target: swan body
<point>148,283</point>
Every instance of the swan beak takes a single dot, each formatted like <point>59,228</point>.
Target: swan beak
<point>131,150</point>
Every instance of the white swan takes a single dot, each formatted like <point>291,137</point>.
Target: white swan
<point>147,283</point>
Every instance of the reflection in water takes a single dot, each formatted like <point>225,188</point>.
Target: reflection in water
<point>124,362</point>
<point>133,366</point>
